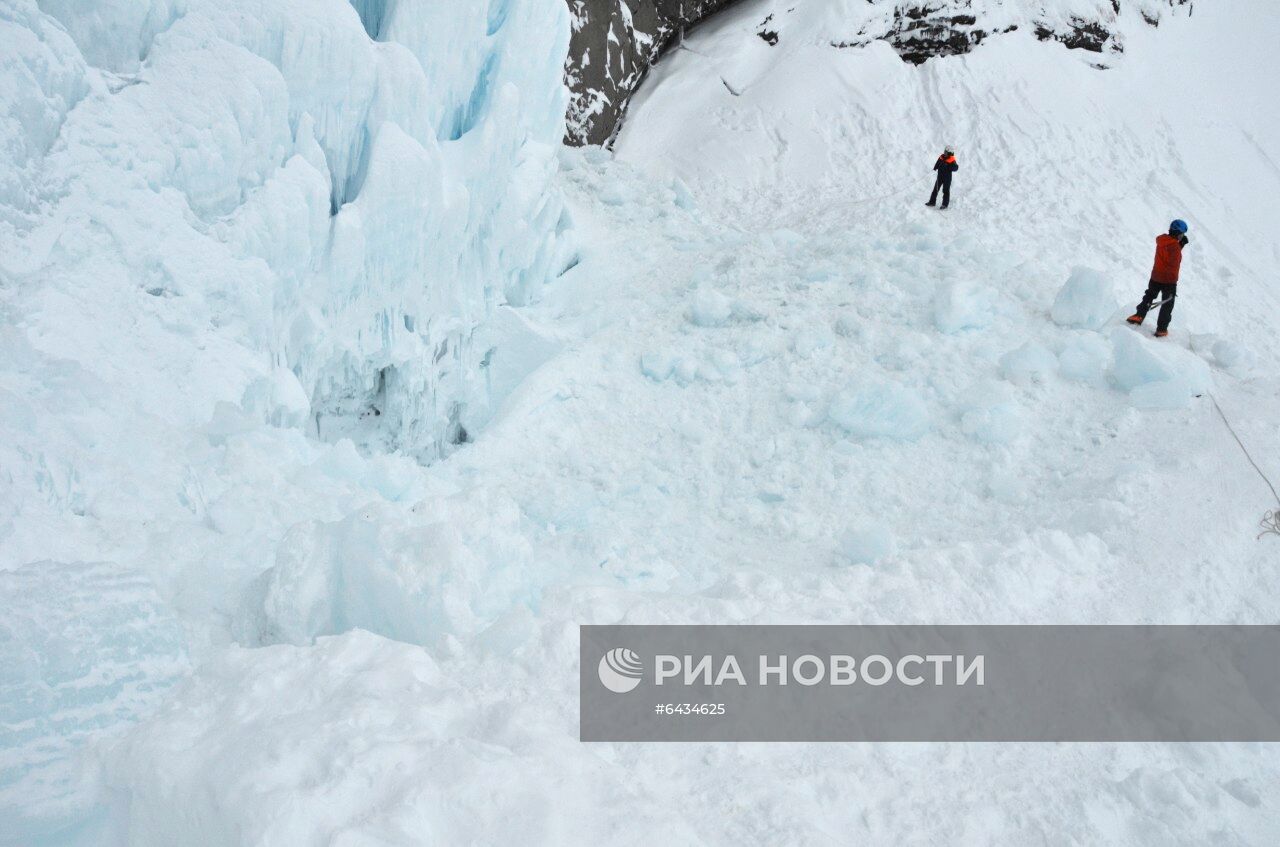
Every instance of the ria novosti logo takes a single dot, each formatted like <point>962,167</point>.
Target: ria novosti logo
<point>620,670</point>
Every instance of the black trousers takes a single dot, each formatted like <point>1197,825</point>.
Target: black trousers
<point>945,185</point>
<point>1166,291</point>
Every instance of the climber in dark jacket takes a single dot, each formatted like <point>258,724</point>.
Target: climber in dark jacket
<point>945,166</point>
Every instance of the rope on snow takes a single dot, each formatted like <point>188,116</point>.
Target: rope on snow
<point>863,200</point>
<point>1270,522</point>
<point>680,45</point>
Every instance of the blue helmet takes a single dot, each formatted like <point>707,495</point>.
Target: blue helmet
<point>1178,227</point>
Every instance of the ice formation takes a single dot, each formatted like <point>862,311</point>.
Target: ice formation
<point>232,233</point>
<point>1087,299</point>
<point>316,202</point>
<point>86,650</point>
<point>880,410</point>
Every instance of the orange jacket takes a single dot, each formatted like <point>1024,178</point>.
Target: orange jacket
<point>945,166</point>
<point>1168,259</point>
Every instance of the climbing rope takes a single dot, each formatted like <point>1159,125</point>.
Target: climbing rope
<point>1271,520</point>
<point>738,92</point>
<point>681,46</point>
<point>864,200</point>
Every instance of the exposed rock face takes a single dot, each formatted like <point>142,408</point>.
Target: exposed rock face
<point>920,33</point>
<point>615,42</point>
<point>925,29</point>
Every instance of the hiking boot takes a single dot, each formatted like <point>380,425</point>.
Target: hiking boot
<point>1135,319</point>
<point>1161,333</point>
<point>931,204</point>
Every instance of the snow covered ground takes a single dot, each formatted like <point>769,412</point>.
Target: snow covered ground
<point>774,389</point>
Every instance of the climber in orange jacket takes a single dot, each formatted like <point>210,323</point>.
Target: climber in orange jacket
<point>1164,277</point>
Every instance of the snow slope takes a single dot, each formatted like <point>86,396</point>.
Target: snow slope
<point>775,389</point>
<point>616,42</point>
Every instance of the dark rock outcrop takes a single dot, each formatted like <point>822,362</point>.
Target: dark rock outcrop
<point>920,30</point>
<point>614,44</point>
<point>1081,35</point>
<point>920,33</point>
